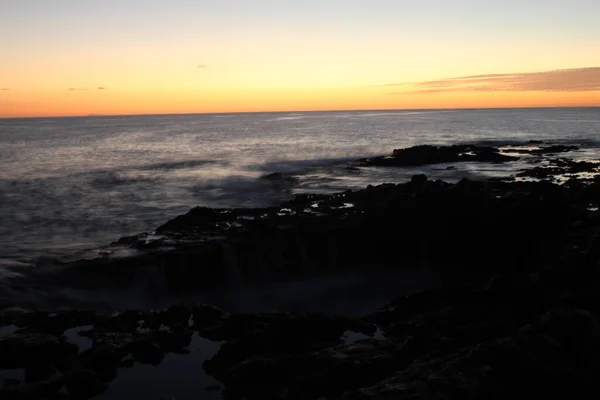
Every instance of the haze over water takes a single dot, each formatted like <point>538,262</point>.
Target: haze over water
<point>69,184</point>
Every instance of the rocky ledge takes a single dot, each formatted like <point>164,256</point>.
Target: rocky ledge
<point>517,313</point>
<point>428,154</point>
<point>532,334</point>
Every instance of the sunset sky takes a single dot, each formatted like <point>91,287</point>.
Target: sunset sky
<point>75,57</point>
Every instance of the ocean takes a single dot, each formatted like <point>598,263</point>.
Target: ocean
<point>71,186</point>
<point>68,185</point>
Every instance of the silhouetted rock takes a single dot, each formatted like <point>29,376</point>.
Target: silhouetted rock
<point>539,360</point>
<point>280,180</point>
<point>22,350</point>
<point>554,149</point>
<point>560,166</point>
<point>426,154</point>
<point>39,371</point>
<point>147,352</point>
<point>197,218</point>
<point>84,384</point>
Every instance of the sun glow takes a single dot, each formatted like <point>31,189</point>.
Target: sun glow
<point>73,59</point>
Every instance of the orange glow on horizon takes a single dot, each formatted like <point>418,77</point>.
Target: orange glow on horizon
<point>109,101</point>
<point>237,56</point>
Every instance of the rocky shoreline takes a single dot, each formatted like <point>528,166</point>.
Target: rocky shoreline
<point>516,312</point>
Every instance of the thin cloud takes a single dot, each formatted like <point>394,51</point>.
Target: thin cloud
<point>202,66</point>
<point>101,88</point>
<point>562,80</point>
<point>5,89</point>
<point>76,89</point>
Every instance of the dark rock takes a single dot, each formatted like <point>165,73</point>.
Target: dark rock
<point>84,384</point>
<point>278,180</point>
<point>539,361</point>
<point>249,335</point>
<point>126,321</point>
<point>418,180</point>
<point>108,351</point>
<point>30,391</point>
<point>207,315</point>
<point>198,218</point>
<point>127,363</point>
<point>39,371</point>
<point>10,384</point>
<point>426,154</point>
<point>22,350</point>
<point>177,315</point>
<point>311,375</point>
<point>131,240</point>
<point>147,352</point>
<point>173,341</point>
<point>554,149</point>
<point>55,323</point>
<point>560,166</point>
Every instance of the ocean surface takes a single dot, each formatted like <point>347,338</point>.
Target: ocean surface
<point>72,184</point>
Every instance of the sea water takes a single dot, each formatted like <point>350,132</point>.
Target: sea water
<point>70,184</point>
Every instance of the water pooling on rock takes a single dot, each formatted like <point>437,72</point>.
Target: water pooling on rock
<point>180,377</point>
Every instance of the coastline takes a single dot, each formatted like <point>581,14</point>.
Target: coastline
<point>516,263</point>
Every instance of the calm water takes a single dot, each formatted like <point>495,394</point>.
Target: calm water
<point>68,184</point>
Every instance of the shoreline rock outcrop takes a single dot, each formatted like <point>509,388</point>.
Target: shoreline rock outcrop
<point>427,154</point>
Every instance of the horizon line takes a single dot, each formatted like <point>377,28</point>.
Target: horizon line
<point>294,111</point>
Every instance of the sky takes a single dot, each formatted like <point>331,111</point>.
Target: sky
<point>73,57</point>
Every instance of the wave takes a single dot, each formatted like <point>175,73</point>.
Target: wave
<point>302,166</point>
<point>172,165</point>
<point>241,191</point>
<point>114,178</point>
<point>128,175</point>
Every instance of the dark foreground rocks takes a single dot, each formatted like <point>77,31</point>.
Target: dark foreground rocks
<point>465,231</point>
<point>532,334</point>
<point>556,356</point>
<point>520,334</point>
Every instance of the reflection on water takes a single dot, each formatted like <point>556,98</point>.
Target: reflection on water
<point>72,335</point>
<point>350,337</point>
<point>7,330</point>
<point>7,375</point>
<point>180,377</point>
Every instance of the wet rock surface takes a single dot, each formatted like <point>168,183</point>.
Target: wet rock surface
<point>516,315</point>
<point>561,166</point>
